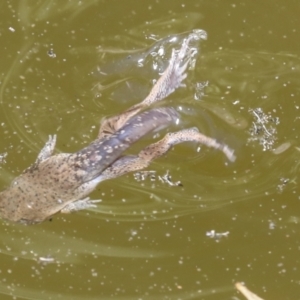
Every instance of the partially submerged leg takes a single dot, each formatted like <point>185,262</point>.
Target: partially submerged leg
<point>132,163</point>
<point>46,151</point>
<point>169,81</point>
<point>186,135</point>
<point>79,205</point>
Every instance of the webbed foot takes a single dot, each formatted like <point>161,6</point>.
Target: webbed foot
<point>80,205</point>
<point>171,79</point>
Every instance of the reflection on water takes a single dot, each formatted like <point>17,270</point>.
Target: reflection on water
<point>147,239</point>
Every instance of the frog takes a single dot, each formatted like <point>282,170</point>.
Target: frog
<point>62,182</point>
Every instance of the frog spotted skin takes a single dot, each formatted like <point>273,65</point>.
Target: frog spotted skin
<point>62,182</point>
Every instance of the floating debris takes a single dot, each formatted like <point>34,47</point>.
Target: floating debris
<point>51,53</point>
<point>282,185</point>
<point>248,294</point>
<point>217,235</point>
<point>2,157</point>
<point>263,129</point>
<point>167,178</point>
<point>46,260</point>
<point>143,175</point>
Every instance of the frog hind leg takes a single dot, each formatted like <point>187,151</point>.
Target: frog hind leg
<point>169,81</point>
<point>132,163</point>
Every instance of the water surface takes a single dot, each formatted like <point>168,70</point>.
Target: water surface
<point>147,239</point>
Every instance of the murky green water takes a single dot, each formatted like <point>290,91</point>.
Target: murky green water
<point>149,240</point>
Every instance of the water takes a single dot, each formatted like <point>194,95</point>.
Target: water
<point>147,239</point>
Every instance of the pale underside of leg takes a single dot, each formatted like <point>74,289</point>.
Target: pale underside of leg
<point>132,163</point>
<point>78,205</point>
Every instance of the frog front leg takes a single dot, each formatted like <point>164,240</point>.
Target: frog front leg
<point>133,163</point>
<point>48,149</point>
<point>45,152</point>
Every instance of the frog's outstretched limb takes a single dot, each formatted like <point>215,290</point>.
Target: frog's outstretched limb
<point>169,81</point>
<point>133,163</point>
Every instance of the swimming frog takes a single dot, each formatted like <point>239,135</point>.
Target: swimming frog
<point>62,182</point>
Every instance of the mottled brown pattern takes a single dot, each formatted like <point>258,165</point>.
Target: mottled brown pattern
<point>61,182</point>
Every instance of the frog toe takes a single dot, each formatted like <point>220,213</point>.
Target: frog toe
<point>81,204</point>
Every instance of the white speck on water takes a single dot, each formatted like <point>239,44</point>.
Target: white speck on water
<point>46,259</point>
<point>94,273</point>
<point>271,225</point>
<point>216,235</point>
